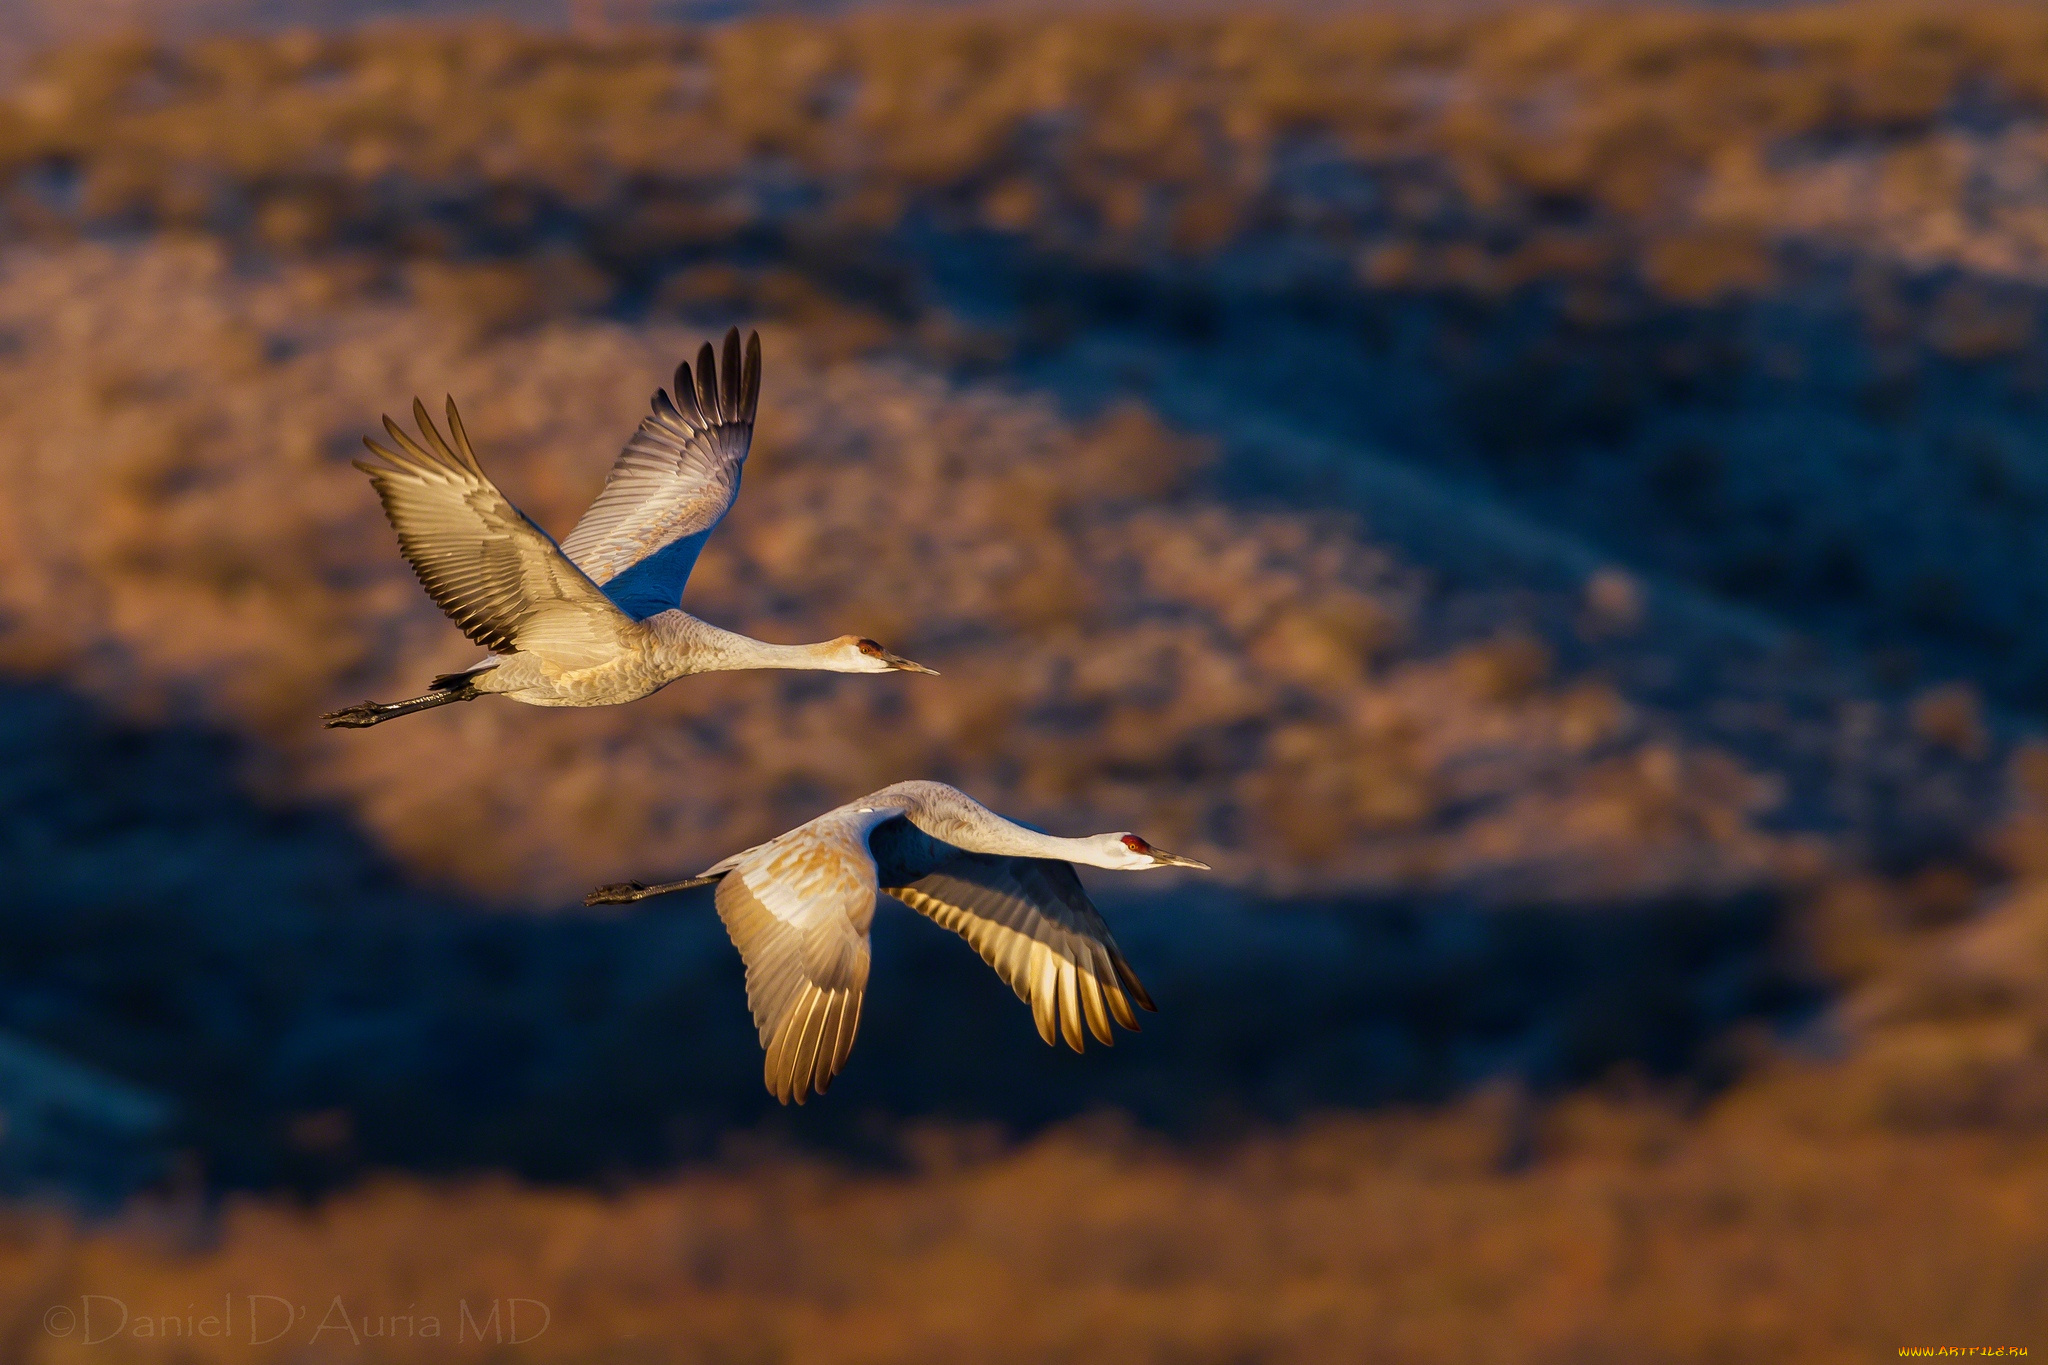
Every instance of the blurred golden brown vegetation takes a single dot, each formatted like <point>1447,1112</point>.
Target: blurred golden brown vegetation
<point>227,256</point>
<point>1629,1234</point>
<point>1692,141</point>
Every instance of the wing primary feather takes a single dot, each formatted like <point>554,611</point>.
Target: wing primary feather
<point>686,397</point>
<point>664,408</point>
<point>805,1054</point>
<point>390,457</point>
<point>814,1054</point>
<point>1112,993</point>
<point>771,1069</point>
<point>772,1042</point>
<point>781,1060</point>
<point>463,448</point>
<point>729,377</point>
<point>1070,1004</point>
<point>1015,966</point>
<point>1045,986</point>
<point>750,387</point>
<point>776,1074</point>
<point>1129,979</point>
<point>798,1075</point>
<point>828,1038</point>
<point>408,445</point>
<point>849,1025</point>
<point>1092,1006</point>
<point>431,433</point>
<point>1120,1006</point>
<point>787,1041</point>
<point>818,1053</point>
<point>828,1043</point>
<point>707,385</point>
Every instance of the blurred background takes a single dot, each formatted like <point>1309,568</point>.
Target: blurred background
<point>1550,502</point>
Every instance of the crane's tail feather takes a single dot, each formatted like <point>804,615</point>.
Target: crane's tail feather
<point>455,682</point>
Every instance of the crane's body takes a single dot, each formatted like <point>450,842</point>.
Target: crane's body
<point>651,654</point>
<point>594,620</point>
<point>799,908</point>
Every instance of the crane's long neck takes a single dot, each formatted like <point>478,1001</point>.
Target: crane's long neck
<point>947,814</point>
<point>1019,842</point>
<point>694,646</point>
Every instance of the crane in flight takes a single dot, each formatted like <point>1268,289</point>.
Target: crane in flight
<point>595,620</point>
<point>799,906</point>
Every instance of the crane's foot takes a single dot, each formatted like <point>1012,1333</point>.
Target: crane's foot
<point>359,717</point>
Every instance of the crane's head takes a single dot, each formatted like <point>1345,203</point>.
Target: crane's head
<point>856,654</point>
<point>1131,854</point>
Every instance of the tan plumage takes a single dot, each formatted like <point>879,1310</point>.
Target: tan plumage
<point>799,908</point>
<point>799,911</point>
<point>595,620</point>
<point>483,561</point>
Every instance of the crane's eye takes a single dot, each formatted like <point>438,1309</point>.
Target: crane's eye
<point>867,646</point>
<point>1136,845</point>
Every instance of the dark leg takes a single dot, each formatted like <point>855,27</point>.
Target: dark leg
<point>620,893</point>
<point>370,713</point>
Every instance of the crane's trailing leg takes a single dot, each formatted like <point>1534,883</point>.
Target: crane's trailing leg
<point>368,713</point>
<point>623,893</point>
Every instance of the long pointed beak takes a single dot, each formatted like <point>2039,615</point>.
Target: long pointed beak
<point>1165,859</point>
<point>903,665</point>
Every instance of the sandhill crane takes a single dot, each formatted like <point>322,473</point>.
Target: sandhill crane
<point>593,621</point>
<point>798,908</point>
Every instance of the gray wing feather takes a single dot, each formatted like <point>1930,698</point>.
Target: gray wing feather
<point>1030,919</point>
<point>673,483</point>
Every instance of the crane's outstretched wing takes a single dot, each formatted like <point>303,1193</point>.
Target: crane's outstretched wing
<point>497,575</point>
<point>673,483</point>
<point>798,908</point>
<point>1030,920</point>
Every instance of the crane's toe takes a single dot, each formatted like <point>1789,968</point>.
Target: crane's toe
<point>354,717</point>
